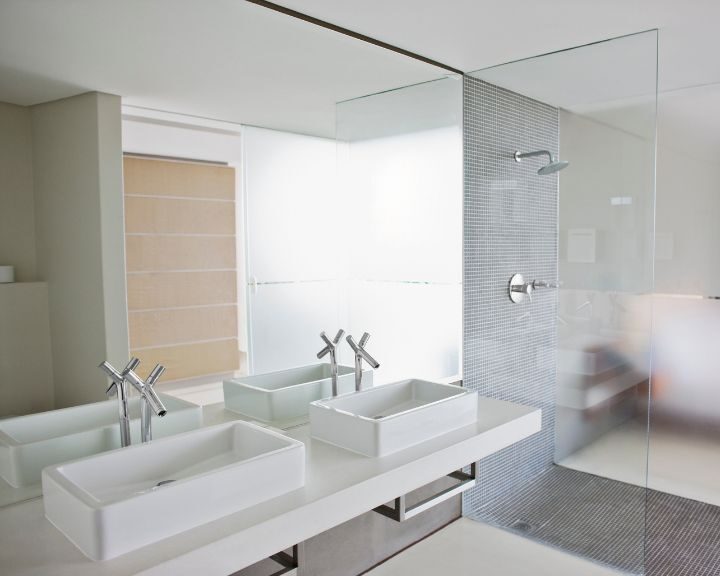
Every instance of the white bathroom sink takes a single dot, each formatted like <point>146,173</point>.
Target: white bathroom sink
<point>286,394</point>
<point>113,503</point>
<point>29,443</point>
<point>385,419</point>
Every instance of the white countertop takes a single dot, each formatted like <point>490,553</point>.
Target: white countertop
<point>340,485</point>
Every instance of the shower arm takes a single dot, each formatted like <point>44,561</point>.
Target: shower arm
<point>520,155</point>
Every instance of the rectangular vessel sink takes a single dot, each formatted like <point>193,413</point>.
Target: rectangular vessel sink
<point>393,417</point>
<point>29,443</point>
<point>116,502</point>
<point>286,394</point>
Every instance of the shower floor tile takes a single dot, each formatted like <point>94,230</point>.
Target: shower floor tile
<point>683,536</point>
<point>605,521</point>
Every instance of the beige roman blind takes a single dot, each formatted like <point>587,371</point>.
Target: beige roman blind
<point>180,241</point>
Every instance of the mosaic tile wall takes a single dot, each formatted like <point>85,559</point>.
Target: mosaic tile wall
<point>510,226</point>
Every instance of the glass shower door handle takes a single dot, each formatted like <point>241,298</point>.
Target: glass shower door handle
<point>253,285</point>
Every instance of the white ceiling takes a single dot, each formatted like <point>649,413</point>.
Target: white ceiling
<point>231,60</point>
<point>223,59</point>
<point>475,34</point>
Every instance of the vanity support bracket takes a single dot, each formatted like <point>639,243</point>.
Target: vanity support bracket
<point>400,512</point>
<point>287,561</point>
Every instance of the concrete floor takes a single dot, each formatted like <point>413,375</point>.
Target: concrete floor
<point>470,548</point>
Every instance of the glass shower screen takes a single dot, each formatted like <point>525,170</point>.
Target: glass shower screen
<point>580,351</point>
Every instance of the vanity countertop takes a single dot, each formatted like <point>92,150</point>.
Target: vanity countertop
<point>340,485</point>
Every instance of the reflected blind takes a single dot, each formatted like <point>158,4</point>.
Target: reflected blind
<point>180,240</point>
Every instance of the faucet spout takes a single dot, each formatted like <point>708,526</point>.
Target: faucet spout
<point>118,386</point>
<point>331,349</point>
<point>149,400</point>
<point>147,393</point>
<point>361,354</point>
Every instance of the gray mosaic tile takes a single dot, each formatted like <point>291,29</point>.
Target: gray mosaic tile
<point>510,226</point>
<point>622,526</point>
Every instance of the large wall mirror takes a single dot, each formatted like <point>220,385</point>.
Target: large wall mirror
<point>215,219</point>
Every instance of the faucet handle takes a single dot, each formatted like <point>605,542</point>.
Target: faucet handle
<point>545,284</point>
<point>114,375</point>
<point>130,366</point>
<point>330,344</point>
<point>359,349</point>
<point>154,376</point>
<point>357,346</point>
<point>110,371</point>
<point>146,391</point>
<point>351,342</point>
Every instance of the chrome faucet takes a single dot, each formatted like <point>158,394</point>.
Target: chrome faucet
<point>148,397</point>
<point>331,348</point>
<point>361,354</point>
<point>149,400</point>
<point>119,387</point>
<point>518,289</point>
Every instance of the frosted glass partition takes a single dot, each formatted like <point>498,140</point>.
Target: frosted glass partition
<point>685,424</point>
<point>400,171</point>
<point>363,233</point>
<point>581,483</point>
<point>293,246</point>
<point>683,464</point>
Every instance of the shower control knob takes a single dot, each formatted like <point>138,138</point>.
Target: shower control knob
<point>518,289</point>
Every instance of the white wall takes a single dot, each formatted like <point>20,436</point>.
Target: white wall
<point>112,227</point>
<point>17,218</point>
<point>688,235</point>
<point>26,379</point>
<point>78,212</point>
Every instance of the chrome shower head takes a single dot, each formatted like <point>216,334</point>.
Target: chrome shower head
<point>550,168</point>
<point>553,167</point>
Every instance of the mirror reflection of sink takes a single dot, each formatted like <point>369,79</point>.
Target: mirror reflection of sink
<point>286,394</point>
<point>29,443</point>
<point>113,503</point>
<point>388,418</point>
<point>588,354</point>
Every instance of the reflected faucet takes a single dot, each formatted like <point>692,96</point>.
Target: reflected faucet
<point>119,387</point>
<point>331,348</point>
<point>149,400</point>
<point>360,355</point>
<point>148,397</point>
